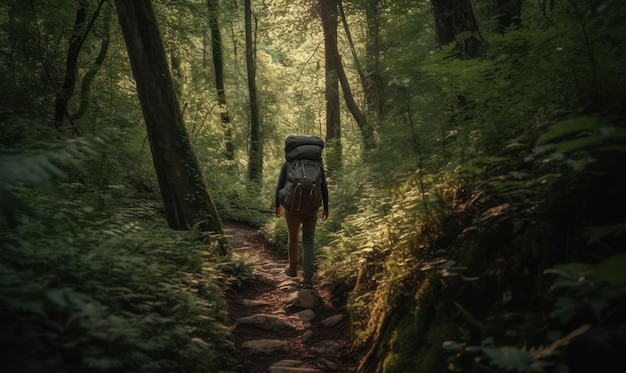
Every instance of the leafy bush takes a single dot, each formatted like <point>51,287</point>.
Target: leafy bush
<point>90,290</point>
<point>113,295</point>
<point>275,235</point>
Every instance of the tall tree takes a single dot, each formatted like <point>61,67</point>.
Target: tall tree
<point>328,14</point>
<point>79,34</point>
<point>255,164</point>
<point>185,194</point>
<point>346,28</point>
<point>89,76</point>
<point>373,86</point>
<point>455,22</point>
<point>218,65</point>
<point>367,131</point>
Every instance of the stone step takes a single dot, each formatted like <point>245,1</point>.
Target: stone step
<point>270,323</point>
<point>291,366</point>
<point>265,347</point>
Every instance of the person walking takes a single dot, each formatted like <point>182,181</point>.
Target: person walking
<point>303,161</point>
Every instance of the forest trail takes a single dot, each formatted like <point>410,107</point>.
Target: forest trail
<point>279,327</point>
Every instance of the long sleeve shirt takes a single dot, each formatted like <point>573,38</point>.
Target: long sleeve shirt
<point>282,179</point>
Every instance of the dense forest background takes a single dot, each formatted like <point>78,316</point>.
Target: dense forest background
<point>475,159</point>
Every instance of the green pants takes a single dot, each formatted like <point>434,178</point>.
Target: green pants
<point>308,220</point>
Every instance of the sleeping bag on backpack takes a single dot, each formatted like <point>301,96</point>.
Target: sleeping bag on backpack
<point>303,147</point>
<point>303,187</point>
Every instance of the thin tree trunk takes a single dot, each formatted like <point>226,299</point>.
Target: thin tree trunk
<point>255,163</point>
<point>218,64</point>
<point>346,29</point>
<point>69,81</point>
<point>81,28</point>
<point>375,86</point>
<point>455,22</point>
<point>186,198</point>
<point>328,14</point>
<point>367,131</point>
<point>85,90</point>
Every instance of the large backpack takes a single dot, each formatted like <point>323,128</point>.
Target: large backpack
<point>303,187</point>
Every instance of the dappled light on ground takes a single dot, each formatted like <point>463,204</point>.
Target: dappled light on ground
<point>280,327</point>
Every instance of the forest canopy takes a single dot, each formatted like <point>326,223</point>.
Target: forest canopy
<point>474,155</point>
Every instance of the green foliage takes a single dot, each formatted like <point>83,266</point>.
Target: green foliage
<point>241,201</point>
<point>582,294</point>
<point>235,272</point>
<point>521,162</point>
<point>29,167</point>
<point>87,289</point>
<point>347,237</point>
<point>490,214</point>
<point>586,133</point>
<point>114,294</point>
<point>43,165</point>
<point>276,234</point>
<point>580,287</point>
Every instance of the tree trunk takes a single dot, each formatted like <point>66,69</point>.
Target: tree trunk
<point>81,29</point>
<point>328,14</point>
<point>218,64</point>
<point>455,22</point>
<point>71,69</point>
<point>93,70</point>
<point>185,195</point>
<point>255,164</point>
<point>346,29</point>
<point>367,131</point>
<point>374,87</point>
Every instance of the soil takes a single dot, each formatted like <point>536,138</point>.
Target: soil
<point>247,241</point>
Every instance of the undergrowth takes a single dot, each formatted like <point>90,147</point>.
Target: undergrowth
<point>516,268</point>
<point>91,289</point>
<point>495,240</point>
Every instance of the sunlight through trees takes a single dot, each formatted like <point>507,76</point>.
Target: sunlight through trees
<point>474,155</point>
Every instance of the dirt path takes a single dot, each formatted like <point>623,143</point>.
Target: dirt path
<point>279,327</point>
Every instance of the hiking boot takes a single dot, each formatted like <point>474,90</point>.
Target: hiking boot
<point>291,270</point>
<point>307,283</point>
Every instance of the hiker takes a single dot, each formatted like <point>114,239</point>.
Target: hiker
<point>301,190</point>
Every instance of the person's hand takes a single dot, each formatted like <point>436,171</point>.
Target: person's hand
<point>324,214</point>
<point>278,212</point>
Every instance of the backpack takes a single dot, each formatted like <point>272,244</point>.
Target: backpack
<point>303,187</point>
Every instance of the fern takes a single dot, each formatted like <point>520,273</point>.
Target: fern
<point>106,291</point>
<point>589,133</point>
<point>514,359</point>
<point>139,302</point>
<point>37,166</point>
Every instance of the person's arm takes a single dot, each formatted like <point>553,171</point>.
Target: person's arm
<point>282,179</point>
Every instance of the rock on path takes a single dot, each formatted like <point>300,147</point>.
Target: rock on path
<point>280,327</point>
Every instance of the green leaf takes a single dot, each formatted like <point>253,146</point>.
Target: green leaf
<point>610,270</point>
<point>579,144</point>
<point>571,126</point>
<point>510,358</point>
<point>452,346</point>
<point>564,270</point>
